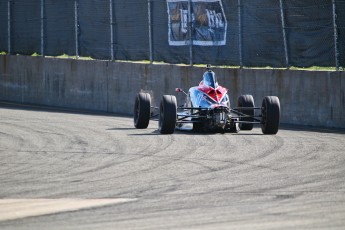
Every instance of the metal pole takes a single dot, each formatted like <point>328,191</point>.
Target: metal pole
<point>240,33</point>
<point>336,54</point>
<point>150,30</point>
<point>9,26</point>
<point>111,30</point>
<point>284,34</point>
<point>190,33</point>
<point>42,27</point>
<point>76,28</point>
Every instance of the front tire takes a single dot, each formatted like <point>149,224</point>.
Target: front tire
<point>270,115</point>
<point>246,101</point>
<point>142,110</point>
<point>167,114</point>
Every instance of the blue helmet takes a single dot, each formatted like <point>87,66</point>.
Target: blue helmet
<point>209,79</point>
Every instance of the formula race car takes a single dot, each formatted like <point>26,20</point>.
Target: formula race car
<point>207,108</point>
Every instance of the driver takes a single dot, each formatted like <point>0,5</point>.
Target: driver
<point>209,78</point>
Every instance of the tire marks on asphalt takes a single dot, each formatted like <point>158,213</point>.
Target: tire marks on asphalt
<point>295,179</point>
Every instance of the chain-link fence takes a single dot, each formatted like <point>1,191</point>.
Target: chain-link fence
<point>276,33</point>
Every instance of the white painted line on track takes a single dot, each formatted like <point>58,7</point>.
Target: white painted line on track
<point>11,209</point>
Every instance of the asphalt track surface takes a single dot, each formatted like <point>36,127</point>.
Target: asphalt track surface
<point>73,170</point>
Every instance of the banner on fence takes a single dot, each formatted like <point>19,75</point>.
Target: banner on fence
<point>207,20</point>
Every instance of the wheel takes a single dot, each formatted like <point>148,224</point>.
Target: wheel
<point>142,110</point>
<point>246,101</point>
<point>167,114</point>
<point>270,115</point>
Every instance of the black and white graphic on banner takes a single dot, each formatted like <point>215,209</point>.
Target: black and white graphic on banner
<point>208,22</point>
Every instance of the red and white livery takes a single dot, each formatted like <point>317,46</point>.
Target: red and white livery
<point>207,108</point>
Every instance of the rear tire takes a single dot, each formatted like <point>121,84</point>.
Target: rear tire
<point>246,101</point>
<point>167,114</point>
<point>270,115</point>
<point>142,110</point>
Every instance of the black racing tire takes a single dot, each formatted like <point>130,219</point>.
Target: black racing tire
<point>270,115</point>
<point>246,101</point>
<point>142,110</point>
<point>167,114</point>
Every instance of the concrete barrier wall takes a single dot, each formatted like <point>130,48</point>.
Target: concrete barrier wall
<point>314,98</point>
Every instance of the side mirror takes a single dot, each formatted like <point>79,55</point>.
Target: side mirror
<point>179,90</point>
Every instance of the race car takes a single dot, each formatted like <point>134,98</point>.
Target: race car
<point>207,109</point>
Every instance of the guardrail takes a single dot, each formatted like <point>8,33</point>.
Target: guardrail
<point>314,98</point>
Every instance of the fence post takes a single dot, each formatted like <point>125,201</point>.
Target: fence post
<point>150,29</point>
<point>284,34</point>
<point>190,33</point>
<point>42,27</point>
<point>9,26</point>
<point>336,54</point>
<point>76,30</point>
<point>240,32</point>
<point>111,29</point>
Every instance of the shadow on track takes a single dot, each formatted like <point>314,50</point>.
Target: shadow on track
<point>304,128</point>
<point>44,108</point>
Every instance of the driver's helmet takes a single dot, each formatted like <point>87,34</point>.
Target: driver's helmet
<point>210,79</point>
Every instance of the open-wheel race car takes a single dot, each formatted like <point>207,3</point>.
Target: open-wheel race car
<point>207,108</point>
